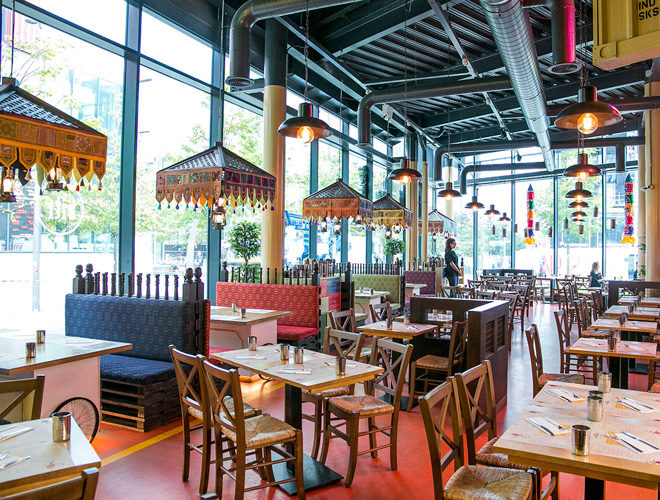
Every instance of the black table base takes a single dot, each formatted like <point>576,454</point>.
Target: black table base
<point>594,489</point>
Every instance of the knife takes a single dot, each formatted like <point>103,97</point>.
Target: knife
<point>540,426</point>
<point>629,444</point>
<point>16,461</point>
<point>15,433</point>
<point>552,422</point>
<point>638,403</point>
<point>628,405</point>
<point>640,440</point>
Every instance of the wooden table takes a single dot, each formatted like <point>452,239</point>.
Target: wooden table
<point>628,299</point>
<point>650,302</point>
<point>363,299</point>
<point>616,311</point>
<point>229,330</point>
<point>62,359</point>
<point>646,327</point>
<point>49,462</point>
<point>553,283</point>
<point>624,350</point>
<point>443,321</point>
<point>323,377</point>
<point>607,461</point>
<point>399,330</point>
<point>413,289</point>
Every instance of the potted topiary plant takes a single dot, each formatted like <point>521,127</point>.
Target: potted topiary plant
<point>394,247</point>
<point>245,242</point>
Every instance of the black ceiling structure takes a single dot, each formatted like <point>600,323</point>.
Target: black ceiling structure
<point>373,44</point>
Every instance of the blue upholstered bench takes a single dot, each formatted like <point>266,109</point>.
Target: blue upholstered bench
<point>144,376</point>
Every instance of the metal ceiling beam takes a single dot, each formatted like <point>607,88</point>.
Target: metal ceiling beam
<point>608,81</point>
<point>441,13</point>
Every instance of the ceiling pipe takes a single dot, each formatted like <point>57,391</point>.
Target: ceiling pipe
<point>629,104</point>
<point>513,35</point>
<point>246,16</point>
<point>474,169</point>
<point>424,90</point>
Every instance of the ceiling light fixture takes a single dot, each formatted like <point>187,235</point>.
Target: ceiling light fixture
<point>582,169</point>
<point>504,218</point>
<point>579,193</point>
<point>474,204</point>
<point>492,211</point>
<point>404,173</point>
<point>587,115</point>
<point>449,192</point>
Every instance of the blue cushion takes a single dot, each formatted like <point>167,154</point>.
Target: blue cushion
<point>135,370</point>
<point>150,325</point>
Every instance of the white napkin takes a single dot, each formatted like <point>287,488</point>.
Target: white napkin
<point>260,311</point>
<point>14,433</point>
<point>636,405</point>
<point>295,371</point>
<point>548,426</point>
<point>255,356</point>
<point>633,442</point>
<point>565,395</point>
<point>348,364</point>
<point>80,341</point>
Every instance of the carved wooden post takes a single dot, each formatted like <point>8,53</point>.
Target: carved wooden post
<point>224,274</point>
<point>176,287</point>
<point>97,283</point>
<point>113,278</point>
<point>232,274</point>
<point>105,283</point>
<point>275,276</point>
<point>122,279</point>
<point>167,287</point>
<point>316,281</point>
<point>130,284</point>
<point>268,275</point>
<point>148,295</point>
<point>89,279</point>
<point>199,284</point>
<point>139,286</point>
<point>78,280</point>
<point>189,289</point>
<point>157,296</point>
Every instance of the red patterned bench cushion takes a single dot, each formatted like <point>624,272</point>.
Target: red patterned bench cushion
<point>301,300</point>
<point>285,332</point>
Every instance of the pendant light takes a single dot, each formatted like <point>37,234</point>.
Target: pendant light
<point>504,232</point>
<point>579,193</point>
<point>337,227</point>
<point>449,192</point>
<point>474,204</point>
<point>323,226</point>
<point>404,173</point>
<point>587,115</point>
<point>582,169</point>
<point>218,217</point>
<point>388,233</point>
<point>55,183</point>
<point>492,211</point>
<point>504,218</point>
<point>612,223</point>
<point>493,228</point>
<point>7,187</point>
<point>578,205</point>
<point>305,126</point>
<point>578,215</point>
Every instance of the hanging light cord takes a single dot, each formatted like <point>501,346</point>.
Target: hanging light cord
<point>306,49</point>
<point>13,30</point>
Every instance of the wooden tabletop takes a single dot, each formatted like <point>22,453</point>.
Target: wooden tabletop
<point>368,295</point>
<point>49,461</point>
<point>57,350</point>
<point>252,316</point>
<point>628,299</point>
<point>323,374</point>
<point>399,330</point>
<point>624,349</point>
<point>628,326</point>
<point>607,460</point>
<point>650,302</point>
<point>616,311</point>
<point>415,285</point>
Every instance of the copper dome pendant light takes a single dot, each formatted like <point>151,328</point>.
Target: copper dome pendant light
<point>305,126</point>
<point>579,193</point>
<point>582,169</point>
<point>404,173</point>
<point>475,204</point>
<point>449,192</point>
<point>587,115</point>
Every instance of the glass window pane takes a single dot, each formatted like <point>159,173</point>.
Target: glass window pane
<point>168,240</point>
<point>328,244</point>
<point>621,257</point>
<point>296,240</point>
<point>43,238</point>
<point>494,247</point>
<point>537,257</point>
<point>168,45</point>
<point>330,119</point>
<point>464,244</point>
<point>105,17</point>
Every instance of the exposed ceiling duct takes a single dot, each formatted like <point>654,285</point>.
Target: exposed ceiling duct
<point>246,16</point>
<point>513,35</point>
<point>424,90</point>
<point>500,167</point>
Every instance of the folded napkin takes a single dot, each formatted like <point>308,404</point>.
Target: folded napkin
<point>12,460</point>
<point>565,395</point>
<point>80,341</point>
<point>254,356</point>
<point>295,371</point>
<point>348,364</point>
<point>633,404</point>
<point>548,426</point>
<point>633,442</point>
<point>260,311</point>
<point>14,432</point>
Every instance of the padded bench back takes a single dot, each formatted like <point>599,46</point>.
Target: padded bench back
<point>425,277</point>
<point>381,282</point>
<point>150,325</point>
<point>301,300</point>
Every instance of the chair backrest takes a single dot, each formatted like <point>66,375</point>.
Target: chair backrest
<point>587,313</point>
<point>188,371</point>
<point>535,356</point>
<point>475,284</point>
<point>378,312</point>
<point>77,488</point>
<point>217,383</point>
<point>23,388</point>
<point>457,346</point>
<point>476,396</point>
<point>465,293</point>
<point>341,343</point>
<point>438,408</point>
<point>393,377</point>
<point>597,298</point>
<point>561,320</point>
<point>486,294</point>
<point>343,320</point>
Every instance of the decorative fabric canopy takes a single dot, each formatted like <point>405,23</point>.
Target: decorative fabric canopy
<point>389,212</point>
<point>34,132</point>
<point>213,175</point>
<point>440,223</point>
<point>339,201</point>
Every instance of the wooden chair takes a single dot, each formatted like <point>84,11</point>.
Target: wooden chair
<point>339,343</point>
<point>438,367</point>
<point>486,294</point>
<point>539,378</point>
<point>514,305</point>
<point>440,412</point>
<point>378,312</point>
<point>24,387</point>
<point>475,392</point>
<point>256,435</point>
<point>188,371</point>
<point>477,285</point>
<point>395,359</point>
<point>654,375</point>
<point>465,292</point>
<point>77,488</point>
<point>571,362</point>
<point>343,320</point>
<point>597,299</point>
<point>583,321</point>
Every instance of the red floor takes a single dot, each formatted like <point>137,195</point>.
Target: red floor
<point>148,466</point>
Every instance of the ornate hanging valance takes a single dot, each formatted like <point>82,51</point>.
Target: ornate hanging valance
<point>339,201</point>
<point>32,132</point>
<point>440,223</point>
<point>216,176</point>
<point>389,212</point>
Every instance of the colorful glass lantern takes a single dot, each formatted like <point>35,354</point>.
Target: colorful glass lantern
<point>529,238</point>
<point>628,230</point>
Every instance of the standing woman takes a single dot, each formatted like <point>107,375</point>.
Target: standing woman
<point>452,271</point>
<point>596,277</point>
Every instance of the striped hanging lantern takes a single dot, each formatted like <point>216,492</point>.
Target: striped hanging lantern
<point>566,223</point>
<point>503,232</point>
<point>628,211</point>
<point>515,228</point>
<point>529,238</point>
<point>581,228</point>
<point>612,223</point>
<point>493,229</point>
<point>550,232</point>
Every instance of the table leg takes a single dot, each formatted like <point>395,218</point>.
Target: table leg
<point>594,489</point>
<point>315,473</point>
<point>619,369</point>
